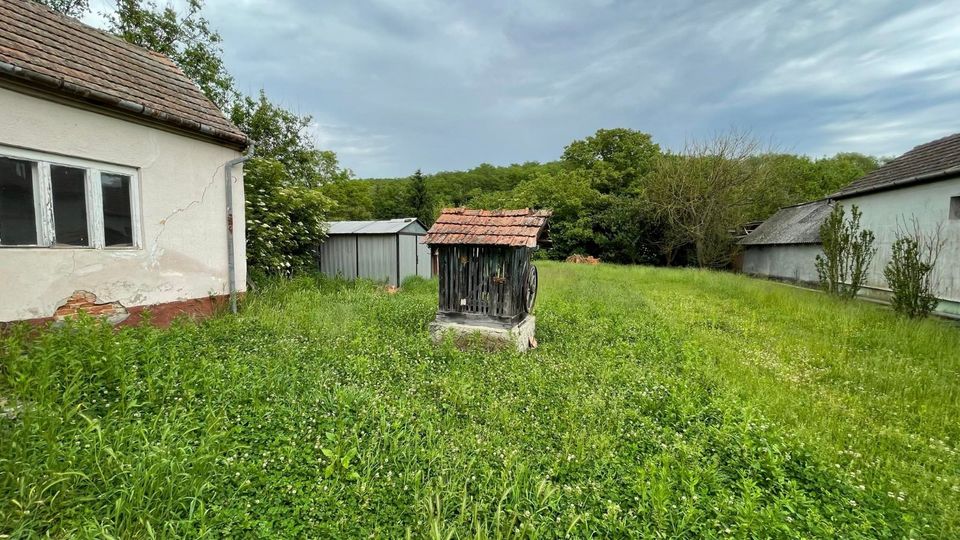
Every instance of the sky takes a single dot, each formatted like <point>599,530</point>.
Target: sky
<point>394,86</point>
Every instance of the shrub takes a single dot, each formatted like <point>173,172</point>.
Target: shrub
<point>910,271</point>
<point>285,223</point>
<point>847,251</point>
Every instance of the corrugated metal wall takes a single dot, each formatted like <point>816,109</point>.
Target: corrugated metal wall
<point>338,256</point>
<point>423,260</point>
<point>377,257</point>
<point>374,256</point>
<point>408,256</point>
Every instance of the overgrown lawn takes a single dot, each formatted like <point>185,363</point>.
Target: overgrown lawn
<point>660,403</point>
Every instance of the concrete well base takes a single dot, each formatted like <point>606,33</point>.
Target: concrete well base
<point>519,336</point>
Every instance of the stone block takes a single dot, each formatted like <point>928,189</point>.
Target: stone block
<point>519,336</point>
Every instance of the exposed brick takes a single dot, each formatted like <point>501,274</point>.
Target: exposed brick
<point>160,315</point>
<point>86,302</point>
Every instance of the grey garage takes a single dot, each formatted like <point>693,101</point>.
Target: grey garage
<point>387,250</point>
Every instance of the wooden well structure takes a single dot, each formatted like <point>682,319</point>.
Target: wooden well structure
<point>483,260</point>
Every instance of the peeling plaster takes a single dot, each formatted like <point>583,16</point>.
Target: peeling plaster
<point>86,301</point>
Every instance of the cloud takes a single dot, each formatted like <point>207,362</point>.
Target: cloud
<point>444,85</point>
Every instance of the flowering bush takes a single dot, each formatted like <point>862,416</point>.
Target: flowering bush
<point>285,224</point>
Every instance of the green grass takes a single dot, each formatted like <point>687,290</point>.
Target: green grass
<point>661,403</point>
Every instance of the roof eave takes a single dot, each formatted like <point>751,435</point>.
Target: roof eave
<point>945,174</point>
<point>60,86</point>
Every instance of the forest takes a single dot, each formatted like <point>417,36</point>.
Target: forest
<point>619,196</point>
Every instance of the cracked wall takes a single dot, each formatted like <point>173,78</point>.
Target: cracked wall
<point>183,214</point>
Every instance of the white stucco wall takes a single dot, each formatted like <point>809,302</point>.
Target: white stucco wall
<point>790,261</point>
<point>183,214</point>
<point>930,205</point>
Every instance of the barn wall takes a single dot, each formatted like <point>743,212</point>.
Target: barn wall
<point>793,262</point>
<point>930,204</point>
<point>338,256</point>
<point>183,217</point>
<point>378,257</point>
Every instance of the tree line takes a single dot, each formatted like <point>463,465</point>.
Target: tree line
<point>619,196</point>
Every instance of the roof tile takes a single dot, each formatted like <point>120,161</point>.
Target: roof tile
<point>46,49</point>
<point>520,228</point>
<point>941,156</point>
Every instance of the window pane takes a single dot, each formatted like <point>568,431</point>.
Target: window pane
<point>117,225</point>
<point>18,223</point>
<point>69,205</point>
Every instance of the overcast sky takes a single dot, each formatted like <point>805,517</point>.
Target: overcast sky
<point>398,85</point>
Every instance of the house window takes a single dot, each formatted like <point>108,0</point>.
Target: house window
<point>54,201</point>
<point>18,221</point>
<point>117,222</point>
<point>68,186</point>
<point>955,207</point>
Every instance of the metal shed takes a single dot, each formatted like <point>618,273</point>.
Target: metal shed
<point>386,250</point>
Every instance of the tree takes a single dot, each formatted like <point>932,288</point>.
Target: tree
<point>909,273</point>
<point>388,199</point>
<point>71,8</point>
<point>615,158</point>
<point>353,200</point>
<point>699,196</point>
<point>792,179</point>
<point>284,136</point>
<point>847,252</point>
<point>186,38</point>
<point>418,199</point>
<point>572,198</point>
<point>287,209</point>
<point>624,231</point>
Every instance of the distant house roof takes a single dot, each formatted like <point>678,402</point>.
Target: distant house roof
<point>387,226</point>
<point>44,49</point>
<point>925,163</point>
<point>519,228</point>
<point>791,225</point>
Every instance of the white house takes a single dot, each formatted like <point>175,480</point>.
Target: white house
<point>113,192</point>
<point>921,187</point>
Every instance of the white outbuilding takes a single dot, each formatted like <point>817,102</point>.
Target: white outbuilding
<point>918,191</point>
<point>117,178</point>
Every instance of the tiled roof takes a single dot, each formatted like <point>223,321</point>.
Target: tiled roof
<point>930,161</point>
<point>44,49</point>
<point>791,225</point>
<point>519,228</point>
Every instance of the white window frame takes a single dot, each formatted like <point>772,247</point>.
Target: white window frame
<point>43,198</point>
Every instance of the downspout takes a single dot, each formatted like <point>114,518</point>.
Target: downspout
<point>231,266</point>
